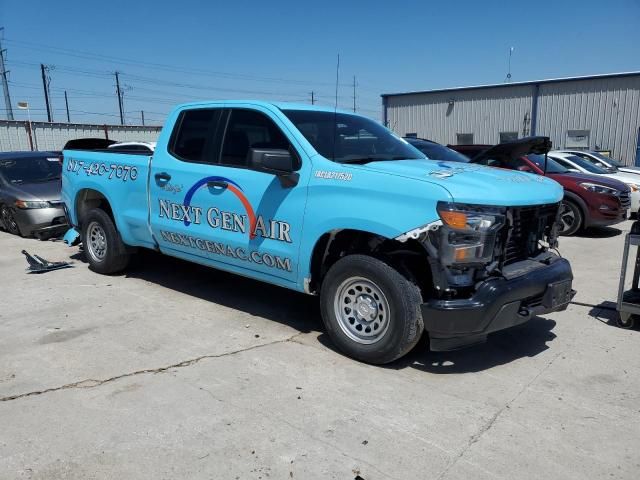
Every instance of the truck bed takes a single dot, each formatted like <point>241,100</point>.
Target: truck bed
<point>121,177</point>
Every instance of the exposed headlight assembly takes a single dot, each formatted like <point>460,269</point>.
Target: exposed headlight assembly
<point>24,204</point>
<point>469,233</point>
<point>597,188</point>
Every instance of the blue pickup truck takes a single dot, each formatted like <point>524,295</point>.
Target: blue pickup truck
<point>332,204</point>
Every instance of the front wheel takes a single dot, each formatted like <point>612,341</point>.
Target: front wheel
<point>104,249</point>
<point>8,220</point>
<point>370,311</point>
<point>570,218</point>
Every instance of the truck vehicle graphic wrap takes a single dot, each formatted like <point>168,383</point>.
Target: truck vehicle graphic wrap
<point>332,204</point>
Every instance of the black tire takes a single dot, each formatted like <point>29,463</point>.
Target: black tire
<point>571,218</point>
<point>401,326</point>
<point>98,229</point>
<point>8,221</point>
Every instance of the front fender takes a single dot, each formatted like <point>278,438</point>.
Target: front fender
<point>384,205</point>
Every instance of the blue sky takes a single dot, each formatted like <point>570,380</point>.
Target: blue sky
<point>173,51</point>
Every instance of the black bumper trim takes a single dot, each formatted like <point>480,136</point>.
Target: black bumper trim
<point>497,304</point>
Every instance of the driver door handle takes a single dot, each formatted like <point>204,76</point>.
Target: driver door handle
<point>217,184</point>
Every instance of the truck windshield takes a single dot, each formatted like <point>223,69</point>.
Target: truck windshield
<point>346,138</point>
<point>30,170</point>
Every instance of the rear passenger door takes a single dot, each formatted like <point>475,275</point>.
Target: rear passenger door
<point>178,186</point>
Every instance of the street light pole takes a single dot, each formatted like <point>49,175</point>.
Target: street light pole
<point>32,133</point>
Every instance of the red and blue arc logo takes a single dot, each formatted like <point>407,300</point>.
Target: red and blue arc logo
<point>232,187</point>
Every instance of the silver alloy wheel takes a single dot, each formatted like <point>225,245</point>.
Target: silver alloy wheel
<point>567,217</point>
<point>96,242</point>
<point>362,310</point>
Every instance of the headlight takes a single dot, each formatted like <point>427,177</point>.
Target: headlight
<point>470,233</point>
<point>24,204</point>
<point>597,188</point>
<point>633,187</point>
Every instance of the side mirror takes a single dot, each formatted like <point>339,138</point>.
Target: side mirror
<point>277,162</point>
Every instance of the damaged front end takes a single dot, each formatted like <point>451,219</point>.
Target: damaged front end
<point>492,267</point>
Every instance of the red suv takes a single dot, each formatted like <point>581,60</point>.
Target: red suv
<point>589,200</point>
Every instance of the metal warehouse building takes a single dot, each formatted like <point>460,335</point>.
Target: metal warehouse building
<point>600,112</point>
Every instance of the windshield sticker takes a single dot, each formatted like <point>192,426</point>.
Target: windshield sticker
<point>331,175</point>
<point>111,172</point>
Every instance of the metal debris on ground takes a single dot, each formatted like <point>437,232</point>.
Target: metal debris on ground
<point>40,265</point>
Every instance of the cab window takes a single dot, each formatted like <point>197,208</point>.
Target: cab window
<point>193,137</point>
<point>248,129</point>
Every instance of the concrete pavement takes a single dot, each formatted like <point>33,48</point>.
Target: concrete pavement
<point>177,371</point>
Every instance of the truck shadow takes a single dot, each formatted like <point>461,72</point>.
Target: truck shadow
<point>290,308</point>
<point>502,347</point>
<point>302,312</point>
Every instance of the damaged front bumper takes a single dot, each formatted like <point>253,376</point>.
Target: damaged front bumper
<point>526,289</point>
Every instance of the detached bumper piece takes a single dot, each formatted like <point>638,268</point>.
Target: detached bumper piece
<point>71,237</point>
<point>530,288</point>
<point>40,265</point>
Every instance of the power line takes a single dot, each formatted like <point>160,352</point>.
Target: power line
<point>159,66</point>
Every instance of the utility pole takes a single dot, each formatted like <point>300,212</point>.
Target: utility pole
<point>45,83</point>
<point>119,97</point>
<point>313,100</point>
<point>66,102</point>
<point>5,83</point>
<point>354,93</point>
<point>142,115</point>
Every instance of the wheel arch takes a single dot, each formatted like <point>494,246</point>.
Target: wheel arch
<point>410,258</point>
<point>582,205</point>
<point>89,198</point>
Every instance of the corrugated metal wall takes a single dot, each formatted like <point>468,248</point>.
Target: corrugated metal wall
<point>441,116</point>
<point>14,135</point>
<point>609,108</point>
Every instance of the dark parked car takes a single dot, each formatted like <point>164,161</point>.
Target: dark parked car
<point>435,151</point>
<point>470,151</point>
<point>589,200</point>
<point>30,202</point>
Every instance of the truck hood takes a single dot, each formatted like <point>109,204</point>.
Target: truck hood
<point>45,191</point>
<point>475,184</point>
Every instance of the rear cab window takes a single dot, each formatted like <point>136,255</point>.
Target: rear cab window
<point>194,136</point>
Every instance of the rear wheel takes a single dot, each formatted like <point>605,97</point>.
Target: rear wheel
<point>104,249</point>
<point>8,220</point>
<point>570,218</point>
<point>370,311</point>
